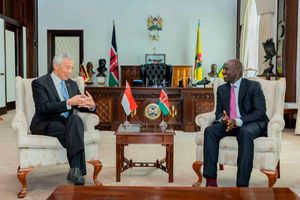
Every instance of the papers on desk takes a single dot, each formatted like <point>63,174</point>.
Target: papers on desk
<point>131,128</point>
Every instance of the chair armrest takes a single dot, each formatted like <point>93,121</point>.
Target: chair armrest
<point>90,120</point>
<point>20,124</point>
<point>205,119</point>
<point>275,126</point>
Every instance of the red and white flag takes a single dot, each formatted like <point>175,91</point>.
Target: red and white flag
<point>128,102</point>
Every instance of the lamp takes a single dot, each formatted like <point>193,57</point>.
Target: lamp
<point>154,25</point>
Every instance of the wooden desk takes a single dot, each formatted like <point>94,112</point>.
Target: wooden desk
<point>186,103</point>
<point>146,134</point>
<point>170,193</point>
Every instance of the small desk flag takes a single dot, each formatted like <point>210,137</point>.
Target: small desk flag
<point>128,102</point>
<point>83,72</point>
<point>163,102</point>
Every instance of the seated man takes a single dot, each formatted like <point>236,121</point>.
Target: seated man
<point>245,104</point>
<point>55,96</point>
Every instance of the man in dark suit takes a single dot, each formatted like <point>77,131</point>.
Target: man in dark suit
<point>55,97</point>
<point>240,112</point>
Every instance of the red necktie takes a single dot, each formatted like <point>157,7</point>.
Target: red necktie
<point>232,103</point>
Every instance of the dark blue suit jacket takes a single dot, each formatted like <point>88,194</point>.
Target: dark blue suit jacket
<point>251,100</point>
<point>48,106</point>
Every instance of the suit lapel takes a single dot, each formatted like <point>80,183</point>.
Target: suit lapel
<point>70,89</point>
<point>52,87</point>
<point>227,97</point>
<point>242,91</point>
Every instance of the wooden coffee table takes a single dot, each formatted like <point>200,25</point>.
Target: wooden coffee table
<point>144,134</point>
<point>170,193</point>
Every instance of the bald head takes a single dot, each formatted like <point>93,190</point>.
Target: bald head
<point>233,70</point>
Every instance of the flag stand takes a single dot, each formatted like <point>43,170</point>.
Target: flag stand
<point>126,124</point>
<point>163,125</point>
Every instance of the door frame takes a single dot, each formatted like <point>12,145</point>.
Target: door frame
<point>51,34</point>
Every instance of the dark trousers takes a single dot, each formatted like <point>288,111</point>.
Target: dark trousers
<point>245,136</point>
<point>69,132</point>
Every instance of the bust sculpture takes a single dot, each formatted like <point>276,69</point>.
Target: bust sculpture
<point>101,69</point>
<point>89,69</point>
<point>213,71</point>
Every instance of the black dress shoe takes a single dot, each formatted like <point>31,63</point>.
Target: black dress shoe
<point>75,176</point>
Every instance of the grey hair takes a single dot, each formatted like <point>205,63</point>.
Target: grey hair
<point>59,58</point>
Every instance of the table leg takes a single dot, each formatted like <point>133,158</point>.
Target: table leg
<point>170,161</point>
<point>118,162</point>
<point>122,157</point>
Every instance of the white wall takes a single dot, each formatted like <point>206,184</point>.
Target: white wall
<point>178,37</point>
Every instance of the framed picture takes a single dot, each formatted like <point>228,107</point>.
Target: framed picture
<point>155,58</point>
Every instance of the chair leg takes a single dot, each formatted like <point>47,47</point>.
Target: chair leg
<point>22,172</point>
<point>221,166</point>
<point>272,176</point>
<point>278,168</point>
<point>197,168</point>
<point>97,167</point>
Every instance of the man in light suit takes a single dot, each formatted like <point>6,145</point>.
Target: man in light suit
<point>240,112</point>
<point>55,97</point>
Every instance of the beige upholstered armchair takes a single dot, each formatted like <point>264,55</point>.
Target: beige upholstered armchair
<point>40,150</point>
<point>266,149</point>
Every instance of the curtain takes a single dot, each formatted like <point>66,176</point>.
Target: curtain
<point>265,9</point>
<point>249,37</point>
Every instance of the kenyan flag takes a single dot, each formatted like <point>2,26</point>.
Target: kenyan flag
<point>163,102</point>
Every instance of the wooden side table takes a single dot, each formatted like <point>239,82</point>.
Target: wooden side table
<point>290,109</point>
<point>289,112</point>
<point>144,134</point>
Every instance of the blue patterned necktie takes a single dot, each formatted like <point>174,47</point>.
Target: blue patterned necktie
<point>65,94</point>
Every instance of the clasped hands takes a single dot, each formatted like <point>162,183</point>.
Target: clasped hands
<point>230,123</point>
<point>82,101</point>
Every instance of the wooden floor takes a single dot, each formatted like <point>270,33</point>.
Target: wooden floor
<point>171,193</point>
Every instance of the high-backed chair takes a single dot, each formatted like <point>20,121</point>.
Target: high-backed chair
<point>155,74</point>
<point>41,150</point>
<point>266,149</point>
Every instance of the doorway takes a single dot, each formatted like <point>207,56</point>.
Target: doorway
<point>70,41</point>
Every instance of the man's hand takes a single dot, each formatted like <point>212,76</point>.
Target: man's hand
<point>76,100</point>
<point>89,102</point>
<point>230,123</point>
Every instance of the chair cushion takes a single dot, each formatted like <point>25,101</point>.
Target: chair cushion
<point>47,142</point>
<point>261,144</point>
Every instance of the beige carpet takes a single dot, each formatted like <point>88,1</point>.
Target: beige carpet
<point>42,181</point>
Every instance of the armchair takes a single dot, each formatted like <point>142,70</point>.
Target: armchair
<point>155,74</point>
<point>266,149</point>
<point>41,150</point>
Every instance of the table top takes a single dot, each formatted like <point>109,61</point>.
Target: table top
<point>143,129</point>
<point>174,193</point>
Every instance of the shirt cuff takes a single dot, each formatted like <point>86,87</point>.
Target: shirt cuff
<point>239,122</point>
<point>68,107</point>
<point>220,120</point>
<point>93,109</point>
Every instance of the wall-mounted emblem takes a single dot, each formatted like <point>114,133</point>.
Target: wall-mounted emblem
<point>154,25</point>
